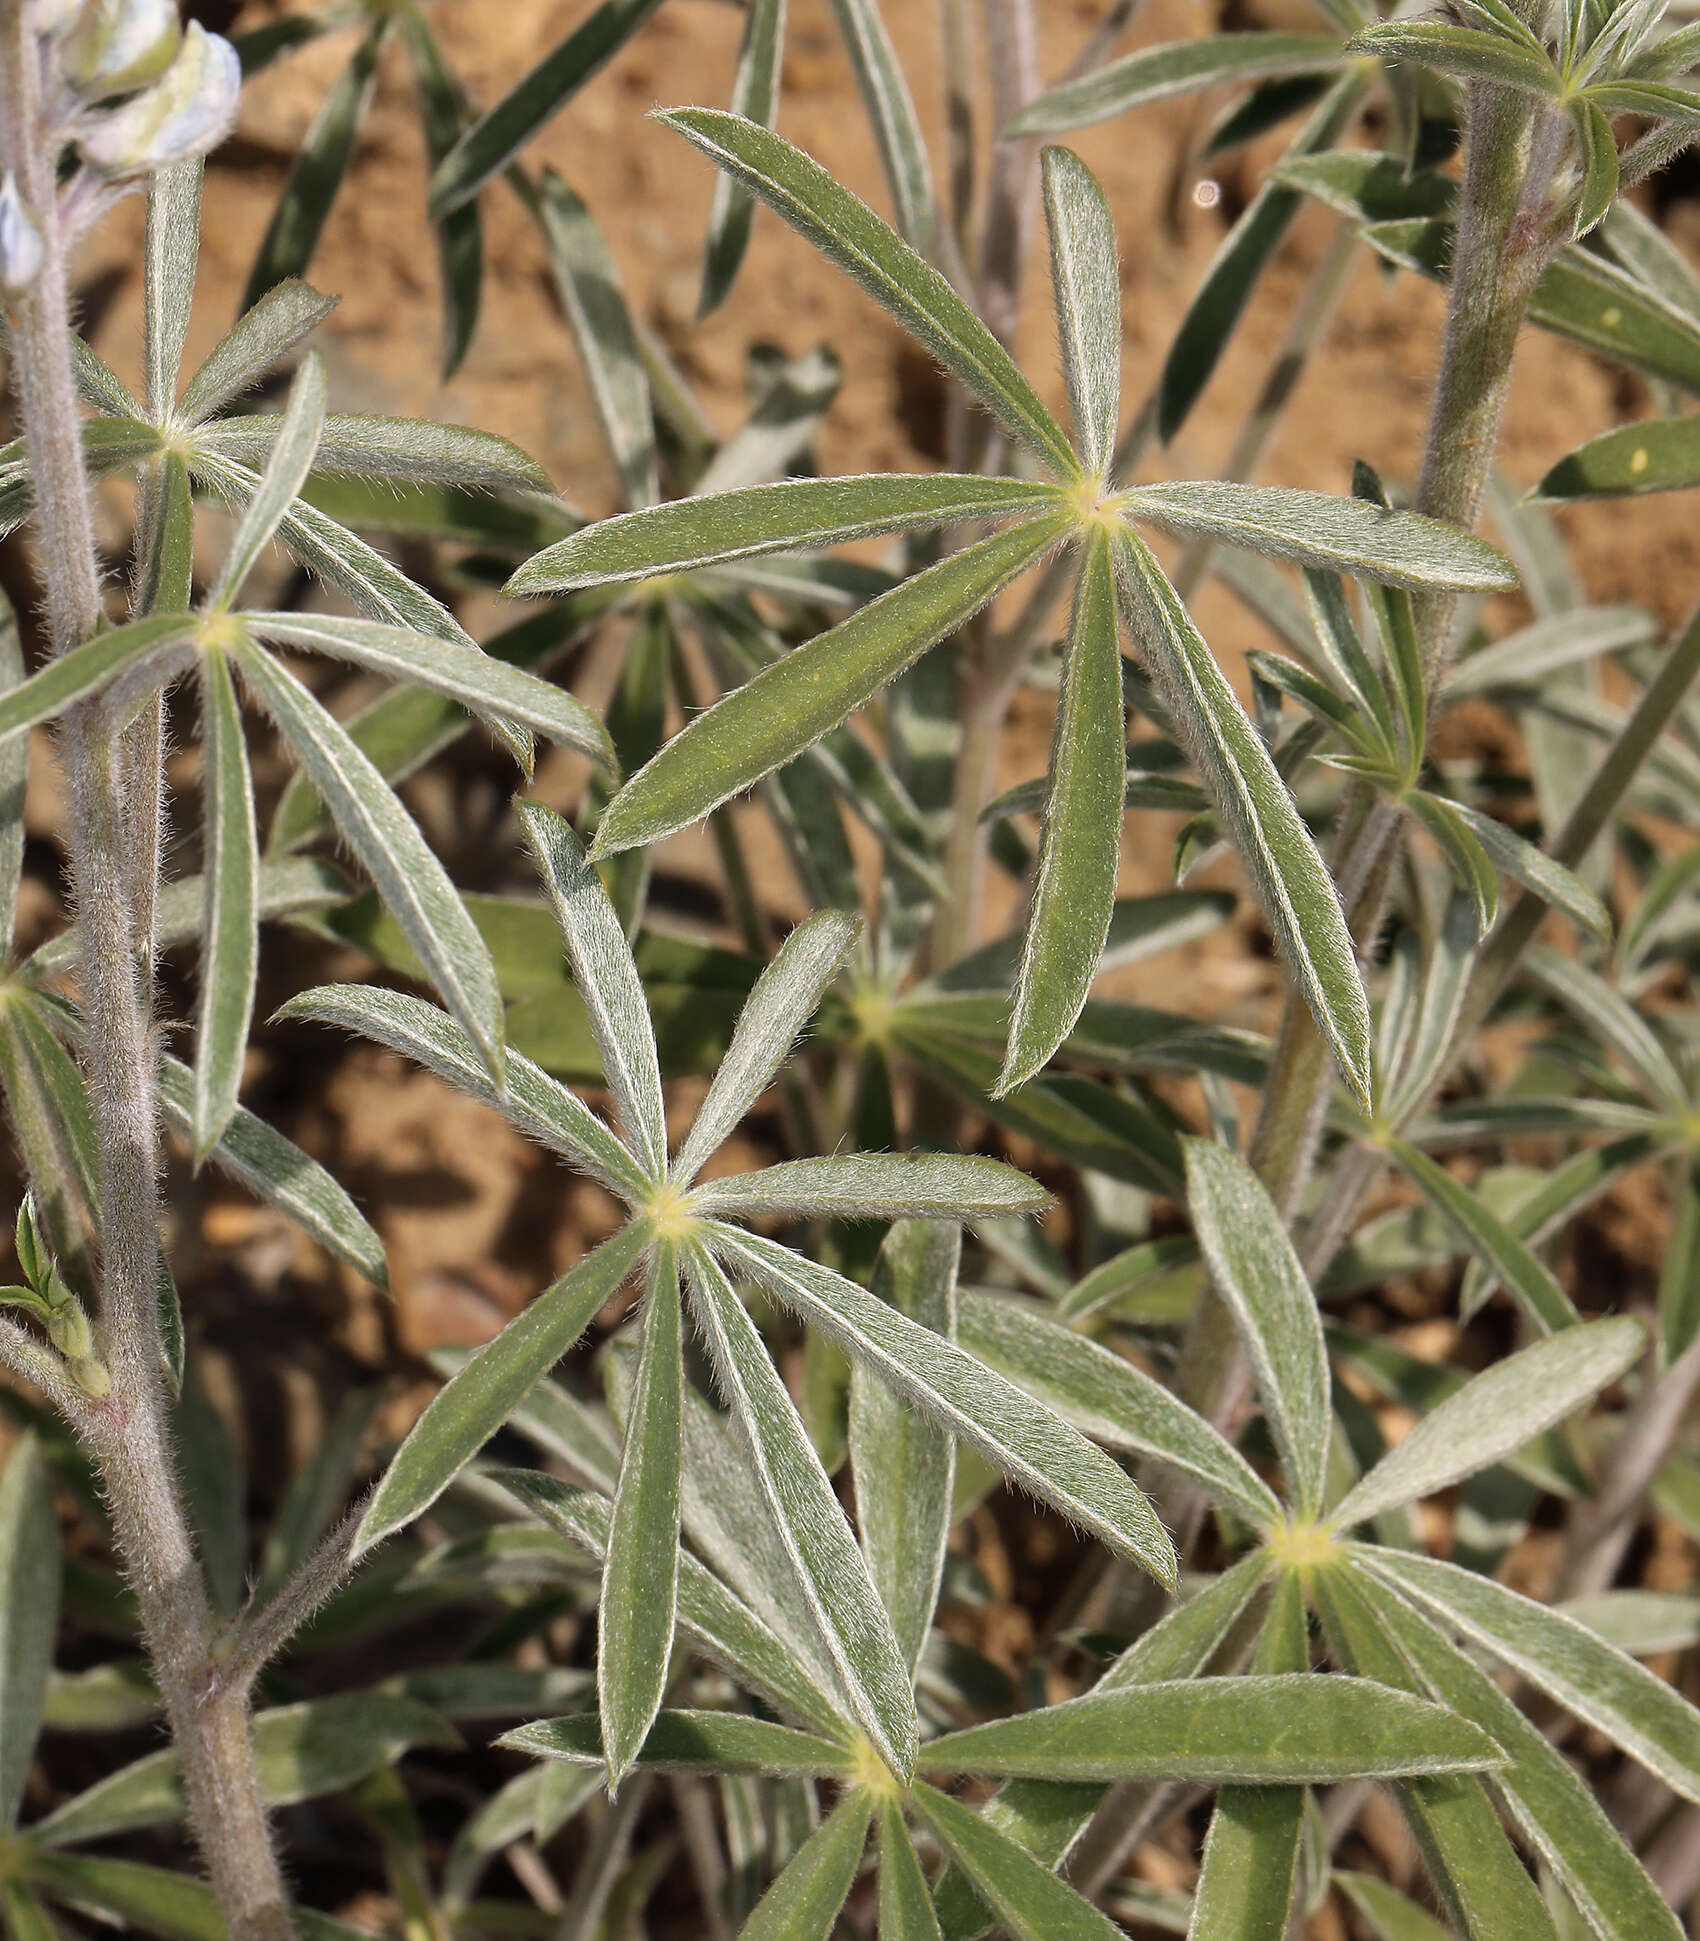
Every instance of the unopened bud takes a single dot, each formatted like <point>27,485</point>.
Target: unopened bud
<point>22,251</point>
<point>69,1331</point>
<point>187,111</point>
<point>120,44</point>
<point>92,1377</point>
<point>33,1256</point>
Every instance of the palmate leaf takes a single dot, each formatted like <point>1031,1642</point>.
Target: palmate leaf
<point>608,981</point>
<point>14,780</point>
<point>1295,887</point>
<point>902,1464</point>
<point>1494,1414</point>
<point>1655,455</point>
<point>1483,1885</point>
<point>1074,888</point>
<point>640,1583</point>
<point>713,1617</point>
<point>1466,52</point>
<point>399,449</point>
<point>755,97</point>
<point>29,1614</point>
<point>1325,532</point>
<point>751,731</point>
<point>1031,1904</point>
<point>1176,67</point>
<point>1575,1667</point>
<point>172,1905</point>
<point>829,1569</point>
<point>463,1416</point>
<point>173,246</point>
<point>498,135</point>
<point>230,955</point>
<point>460,238</point>
<point>691,1742</point>
<point>406,872</point>
<point>289,461</point>
<point>905,1906</point>
<point>1257,1272</point>
<point>891,115</point>
<point>877,1186</point>
<point>1045,1818</point>
<point>70,677</point>
<point>720,528</point>
<point>1109,1399</point>
<point>803,1903</point>
<point>1028,1443</point>
<point>265,332</point>
<point>1285,1729</point>
<point>1554,1809</point>
<point>781,1003</point>
<point>1086,282</point>
<point>465,674</point>
<point>802,193</point>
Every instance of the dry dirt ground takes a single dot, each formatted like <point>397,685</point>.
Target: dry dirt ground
<point>474,1220</point>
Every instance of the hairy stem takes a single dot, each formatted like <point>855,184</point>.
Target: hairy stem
<point>128,1432</point>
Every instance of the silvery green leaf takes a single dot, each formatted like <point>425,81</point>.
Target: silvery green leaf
<point>317,173</point>
<point>402,449</point>
<point>1679,1279</point>
<point>460,234</point>
<point>1655,455</point>
<point>1576,1668</point>
<point>608,982</point>
<point>29,1613</point>
<point>710,1614</point>
<point>804,1902</point>
<point>230,925</point>
<point>1464,854</point>
<point>790,705</point>
<point>86,669</point>
<point>1445,984</point>
<point>173,245</point>
<point>1342,648</point>
<point>1251,1853</point>
<point>1599,163</point>
<point>1086,283</point>
<point>905,1907</point>
<point>755,97</point>
<point>265,332</point>
<point>1482,1884</point>
<point>1030,1903</point>
<point>49,1110</point>
<point>463,1416</point>
<point>463,673</point>
<point>1239,263</point>
<point>782,1002</point>
<point>1074,886</point>
<point>1175,67</point>
<point>877,1186</point>
<point>498,135</point>
<point>1466,52</point>
<point>829,1569</point>
<point>640,1582</point>
<point>1641,1623</point>
<point>1494,1414</point>
<point>1554,1809</point>
<point>890,110</point>
<point>301,1751</point>
<point>538,1105</point>
<point>1609,1016</point>
<point>290,461</point>
<point>1389,1915</point>
<point>1140,927</point>
<point>588,284</point>
<point>1033,1447</point>
<point>101,388</point>
<point>153,1900</point>
<point>1295,887</point>
<point>918,296</point>
<point>1324,531</point>
<point>14,778</point>
<point>1523,659</point>
<point>746,523</point>
<point>1047,1819</point>
<point>903,1465</point>
<point>414,886</point>
<point>689,1742</point>
<point>1112,1400</point>
<point>1530,866</point>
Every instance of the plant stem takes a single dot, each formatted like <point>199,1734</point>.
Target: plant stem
<point>128,1432</point>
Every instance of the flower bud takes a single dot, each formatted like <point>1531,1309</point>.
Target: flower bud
<point>120,44</point>
<point>33,1255</point>
<point>68,1329</point>
<point>186,112</point>
<point>22,251</point>
<point>92,1377</point>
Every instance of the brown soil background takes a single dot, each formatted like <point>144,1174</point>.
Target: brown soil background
<point>473,1218</point>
